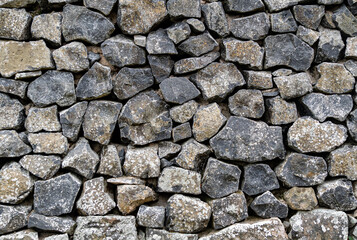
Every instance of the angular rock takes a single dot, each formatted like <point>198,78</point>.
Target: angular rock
<point>330,45</point>
<point>184,112</point>
<point>280,112</point>
<point>89,26</point>
<point>111,226</point>
<point>154,234</point>
<point>168,149</point>
<point>247,103</point>
<point>309,16</point>
<point>307,35</point>
<point>301,170</point>
<point>187,65</point>
<point>151,217</point>
<point>243,52</point>
<point>184,8</point>
<point>48,143</point>
<point>351,47</point>
<point>147,15</point>
<point>129,197</point>
<point>71,120</point>
<point>342,162</point>
<point>16,3</point>
<point>192,155</point>
<point>294,86</point>
<point>126,181</point>
<point>57,237</point>
<point>140,40</point>
<point>130,81</point>
<point>48,27</point>
<point>283,22</point>
<point>159,42</point>
<point>243,6</point>
<point>352,124</point>
<point>258,178</point>
<point>301,198</point>
<point>72,57</point>
<point>121,51</point>
<point>34,56</point>
<point>334,78</point>
<point>15,24</point>
<point>268,206</point>
<point>11,113</point>
<point>52,87</point>
<point>252,27</point>
<point>51,224</point>
<point>11,145</point>
<point>81,159</point>
<point>178,32</point>
<point>196,25</point>
<point>14,217</point>
<point>217,80</point>
<point>27,234</point>
<point>95,198</point>
<point>322,106</point>
<point>345,21</point>
<point>41,166</point>
<point>329,2</point>
<point>258,79</point>
<point>198,45</point>
<point>104,7</point>
<point>17,88</point>
<point>110,162</point>
<point>42,119</point>
<point>56,196</point>
<point>248,141</point>
<point>178,90</point>
<point>161,66</point>
<point>181,132</point>
<point>215,18</point>
<point>277,5</point>
<point>178,180</point>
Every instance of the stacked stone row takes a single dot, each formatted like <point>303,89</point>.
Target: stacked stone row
<point>155,119</point>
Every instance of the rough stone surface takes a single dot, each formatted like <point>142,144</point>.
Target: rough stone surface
<point>198,45</point>
<point>254,27</point>
<point>192,155</point>
<point>192,64</point>
<point>184,8</point>
<point>17,88</point>
<point>52,223</point>
<point>283,22</point>
<point>247,103</point>
<point>161,66</point>
<point>151,217</point>
<point>48,27</point>
<point>48,143</point>
<point>71,120</point>
<point>258,79</point>
<point>280,112</point>
<point>178,32</point>
<point>168,149</point>
<point>215,18</point>
<point>351,47</point>
<point>178,90</point>
<point>268,206</point>
<point>301,199</point>
<point>11,113</point>
<point>126,181</point>
<point>293,86</point>
<point>110,162</point>
<point>154,234</point>
<point>196,25</point>
<point>330,45</point>
<point>181,132</point>
<point>16,3</point>
<point>72,57</point>
<point>345,21</point>
<point>277,5</point>
<point>159,42</point>
<point>42,119</point>
<point>41,166</point>
<point>307,35</point>
<point>104,7</point>
<point>309,16</point>
<point>13,217</point>
<point>27,234</point>
<point>15,24</point>
<point>184,112</point>
<point>11,145</point>
<point>243,6</point>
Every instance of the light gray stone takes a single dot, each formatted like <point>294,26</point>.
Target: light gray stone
<point>48,27</point>
<point>151,217</point>
<point>12,113</point>
<point>11,145</point>
<point>72,57</point>
<point>184,8</point>
<point>14,217</point>
<point>247,103</point>
<point>279,111</point>
<point>15,24</point>
<point>330,45</point>
<point>158,42</point>
<point>283,22</point>
<point>192,64</point>
<point>294,86</point>
<point>43,119</point>
<point>42,166</point>
<point>104,7</point>
<point>110,162</point>
<point>48,143</point>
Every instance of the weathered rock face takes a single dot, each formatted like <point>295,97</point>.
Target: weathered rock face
<point>342,162</point>
<point>14,217</point>
<point>13,87</point>
<point>71,120</point>
<point>345,21</point>
<point>161,66</point>
<point>307,35</point>
<point>48,143</point>
<point>152,234</point>
<point>178,90</point>
<point>187,65</point>
<point>192,155</point>
<point>280,111</point>
<point>184,112</point>
<point>52,223</point>
<point>110,162</point>
<point>15,24</point>
<point>48,27</point>
<point>247,103</point>
<point>184,8</point>
<point>198,45</point>
<point>254,27</point>
<point>24,234</point>
<point>11,113</point>
<point>41,166</point>
<point>11,145</point>
<point>153,217</point>
<point>301,198</point>
<point>268,206</point>
<point>104,7</point>
<point>293,86</point>
<point>72,57</point>
<point>42,119</point>
<point>283,22</point>
<point>215,18</point>
<point>330,45</point>
<point>309,15</point>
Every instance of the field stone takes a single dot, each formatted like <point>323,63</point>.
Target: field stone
<point>161,66</point>
<point>14,217</point>
<point>129,197</point>
<point>351,47</point>
<point>16,3</point>
<point>330,46</point>
<point>81,159</point>
<point>160,234</point>
<point>287,50</point>
<point>151,217</point>
<point>337,194</point>
<point>140,40</point>
<point>57,237</point>
<point>110,226</point>
<point>71,120</point>
<point>42,119</point>
<point>72,57</point>
<point>268,206</point>
<point>307,35</point>
<point>309,16</point>
<point>48,143</point>
<point>27,234</point>
<point>52,87</point>
<point>110,162</point>
<point>294,86</point>
<point>196,25</point>
<point>142,162</point>
<point>121,51</point>
<point>243,6</point>
<point>258,79</point>
<point>15,24</point>
<point>90,26</point>
<point>218,80</point>
<point>48,27</point>
<point>57,195</point>
<point>279,111</point>
<point>181,132</point>
<point>178,32</point>
<point>277,5</point>
<point>301,199</point>
<point>352,124</point>
<point>326,223</point>
<point>13,87</point>
<point>248,141</point>
<point>158,42</point>
<point>215,18</point>
<point>258,178</point>
<point>184,112</point>
<point>168,149</point>
<point>11,145</point>
<point>51,223</point>
<point>42,166</point>
<point>329,2</point>
<point>28,75</point>
<point>345,21</point>
<point>95,198</point>
<point>12,113</point>
<point>104,7</point>
<point>341,162</point>
<point>35,55</point>
<point>130,81</point>
<point>283,22</point>
<point>179,180</point>
<point>187,65</point>
<point>178,90</point>
<point>247,103</point>
<point>253,27</point>
<point>301,170</point>
<point>184,8</point>
<point>187,214</point>
<point>198,45</point>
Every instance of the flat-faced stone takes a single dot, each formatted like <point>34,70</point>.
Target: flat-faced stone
<point>51,223</point>
<point>309,15</point>
<point>280,112</point>
<point>268,206</point>
<point>178,32</point>
<point>181,132</point>
<point>345,21</point>
<point>184,112</point>
<point>330,46</point>
<point>198,45</point>
<point>247,103</point>
<point>27,234</point>
<point>11,145</point>
<point>72,57</point>
<point>17,88</point>
<point>110,162</point>
<point>196,25</point>
<point>14,217</point>
<point>151,217</point>
<point>42,119</point>
<point>104,7</point>
<point>158,42</point>
<point>294,86</point>
<point>71,120</point>
<point>258,79</point>
<point>299,198</point>
<point>57,237</point>
<point>307,35</point>
<point>168,149</point>
<point>192,64</point>
<point>243,6</point>
<point>351,47</point>
<point>184,8</point>
<point>161,66</point>
<point>283,22</point>
<point>48,27</point>
<point>42,166</point>
<point>140,40</point>
<point>160,234</point>
<point>253,27</point>
<point>14,24</point>
<point>11,113</point>
<point>329,2</point>
<point>178,90</point>
<point>48,143</point>
<point>215,18</point>
<point>342,162</point>
<point>277,5</point>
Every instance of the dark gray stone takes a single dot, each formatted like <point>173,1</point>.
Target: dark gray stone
<point>158,42</point>
<point>330,45</point>
<point>253,27</point>
<point>215,18</point>
<point>181,132</point>
<point>17,88</point>
<point>280,112</point>
<point>151,217</point>
<point>258,79</point>
<point>247,103</point>
<point>307,35</point>
<point>11,145</point>
<point>243,6</point>
<point>198,45</point>
<point>268,206</point>
<point>283,22</point>
<point>51,223</point>
<point>153,234</point>
<point>104,7</point>
<point>16,3</point>
<point>14,217</point>
<point>184,8</point>
<point>12,113</point>
<point>15,24</point>
<point>178,90</point>
<point>192,64</point>
<point>277,5</point>
<point>161,66</point>
<point>309,15</point>
<point>345,21</point>
<point>196,25</point>
<point>178,32</point>
<point>352,124</point>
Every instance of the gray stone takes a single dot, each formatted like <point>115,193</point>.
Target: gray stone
<point>178,90</point>
<point>184,8</point>
<point>294,86</point>
<point>16,3</point>
<point>268,206</point>
<point>158,42</point>
<point>17,88</point>
<point>352,124</point>
<point>48,143</point>
<point>110,162</point>
<point>15,24</point>
<point>243,6</point>
<point>14,217</point>
<point>337,194</point>
<point>196,25</point>
<point>159,234</point>
<point>151,217</point>
<point>198,45</point>
<point>258,79</point>
<point>192,64</point>
<point>11,145</point>
<point>218,80</point>
<point>72,57</point>
<point>299,198</point>
<point>309,16</point>
<point>178,180</point>
<point>168,149</point>
<point>307,35</point>
<point>334,78</point>
<point>330,45</point>
<point>243,52</point>
<point>56,196</point>
<point>71,120</point>
<point>325,223</point>
<point>89,26</point>
<point>187,214</point>
<point>279,111</point>
<point>215,18</point>
<point>28,75</point>
<point>184,112</point>
<point>178,32</point>
<point>42,119</point>
<point>252,27</point>
<point>147,15</point>
<point>11,113</point>
<point>151,124</point>
<point>124,180</point>
<point>57,237</point>
<point>140,40</point>
<point>193,155</point>
<point>329,2</point>
<point>309,135</point>
<point>345,21</point>
<point>95,198</point>
<point>247,103</point>
<point>110,226</point>
<point>161,66</point>
<point>277,5</point>
<point>181,132</point>
<point>27,234</point>
<point>52,87</point>
<point>81,159</point>
<point>104,7</point>
<point>327,20</point>
<point>283,22</point>
<point>95,83</point>
<point>248,141</point>
<point>130,81</point>
<point>51,223</point>
<point>351,47</point>
<point>48,27</point>
<point>342,162</point>
<point>41,166</point>
<point>121,51</point>
<point>281,72</point>
<point>34,56</point>
<point>288,50</point>
<point>258,178</point>
<point>322,106</point>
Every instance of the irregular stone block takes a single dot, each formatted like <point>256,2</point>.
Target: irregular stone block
<point>252,27</point>
<point>299,198</point>
<point>215,18</point>
<point>309,15</point>
<point>178,90</point>
<point>330,45</point>
<point>72,57</point>
<point>17,88</point>
<point>15,24</point>
<point>41,166</point>
<point>294,86</point>
<point>48,143</point>
<point>11,113</point>
<point>151,217</point>
<point>247,103</point>
<point>159,42</point>
<point>110,162</point>
<point>48,27</point>
<point>51,224</point>
<point>283,22</point>
<point>198,45</point>
<point>192,155</point>
<point>42,119</point>
<point>184,8</point>
<point>11,145</point>
<point>14,217</point>
<point>187,65</point>
<point>268,206</point>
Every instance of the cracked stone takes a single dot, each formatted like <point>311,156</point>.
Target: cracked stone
<point>330,45</point>
<point>192,64</point>
<point>161,66</point>
<point>42,119</point>
<point>14,217</point>
<point>345,21</point>
<point>307,35</point>
<point>215,18</point>
<point>104,7</point>
<point>309,16</point>
<point>181,132</point>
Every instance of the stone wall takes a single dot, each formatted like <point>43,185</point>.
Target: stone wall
<point>178,119</point>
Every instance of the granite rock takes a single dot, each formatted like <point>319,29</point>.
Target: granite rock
<point>215,18</point>
<point>48,27</point>
<point>243,6</point>
<point>104,7</point>
<point>309,16</point>
<point>253,27</point>
<point>192,64</point>
<point>151,217</point>
<point>330,46</point>
<point>178,90</point>
<point>283,22</point>
<point>342,162</point>
<point>11,113</point>
<point>294,86</point>
<point>42,166</point>
<point>198,45</point>
<point>42,119</point>
<point>184,8</point>
<point>247,103</point>
<point>14,217</point>
<point>178,32</point>
<point>13,87</point>
<point>161,66</point>
<point>301,199</point>
<point>48,143</point>
<point>279,111</point>
<point>159,42</point>
<point>268,206</point>
<point>11,145</point>
<point>181,132</point>
<point>110,162</point>
<point>15,24</point>
<point>71,120</point>
<point>258,79</point>
<point>51,223</point>
<point>72,57</point>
